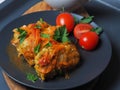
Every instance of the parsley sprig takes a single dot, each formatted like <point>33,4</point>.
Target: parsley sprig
<point>37,49</point>
<point>61,34</point>
<point>38,26</point>
<point>88,19</point>
<point>22,35</point>
<point>98,30</point>
<point>48,44</point>
<point>45,35</point>
<point>32,77</point>
<point>41,20</point>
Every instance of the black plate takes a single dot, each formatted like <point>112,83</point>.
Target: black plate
<point>92,62</point>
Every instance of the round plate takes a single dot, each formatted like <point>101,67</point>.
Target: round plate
<point>92,63</point>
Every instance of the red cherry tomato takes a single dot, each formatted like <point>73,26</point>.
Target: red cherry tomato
<point>89,40</point>
<point>66,19</point>
<point>81,29</point>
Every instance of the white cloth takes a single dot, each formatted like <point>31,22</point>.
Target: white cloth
<point>1,1</point>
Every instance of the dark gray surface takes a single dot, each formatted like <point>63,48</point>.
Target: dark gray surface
<point>5,3</point>
<point>13,10</point>
<point>109,19</point>
<point>115,4</point>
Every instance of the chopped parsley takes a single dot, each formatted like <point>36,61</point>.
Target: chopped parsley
<point>76,20</point>
<point>61,34</point>
<point>45,35</point>
<point>98,30</point>
<point>37,26</point>
<point>32,77</point>
<point>37,49</point>
<point>41,20</point>
<point>88,19</point>
<point>22,35</point>
<point>48,44</point>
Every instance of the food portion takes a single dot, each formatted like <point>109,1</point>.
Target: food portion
<point>26,39</point>
<point>45,47</point>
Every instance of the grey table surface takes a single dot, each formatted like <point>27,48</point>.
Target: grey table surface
<point>107,15</point>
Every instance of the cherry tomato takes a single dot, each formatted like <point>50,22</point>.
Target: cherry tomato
<point>89,40</point>
<point>81,29</point>
<point>66,19</point>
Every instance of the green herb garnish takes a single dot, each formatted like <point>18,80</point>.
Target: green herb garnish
<point>32,77</point>
<point>88,19</point>
<point>22,35</point>
<point>98,30</point>
<point>41,20</point>
<point>61,34</point>
<point>76,20</point>
<point>37,26</point>
<point>45,35</point>
<point>48,44</point>
<point>37,49</point>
